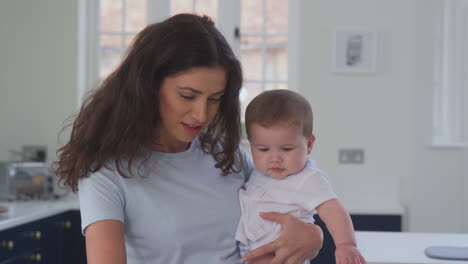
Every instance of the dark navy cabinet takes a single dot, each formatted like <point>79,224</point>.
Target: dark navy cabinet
<point>52,240</point>
<point>361,222</point>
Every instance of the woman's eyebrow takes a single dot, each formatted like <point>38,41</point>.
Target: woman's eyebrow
<point>220,92</point>
<point>186,88</point>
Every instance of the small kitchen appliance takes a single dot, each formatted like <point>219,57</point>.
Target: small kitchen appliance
<point>25,180</point>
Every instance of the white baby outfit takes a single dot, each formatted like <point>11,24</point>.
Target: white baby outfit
<point>298,195</point>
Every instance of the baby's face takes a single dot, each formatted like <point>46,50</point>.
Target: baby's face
<point>279,151</point>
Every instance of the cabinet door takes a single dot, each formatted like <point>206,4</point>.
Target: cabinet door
<point>52,240</point>
<point>28,243</point>
<point>360,223</point>
<point>31,257</point>
<point>73,248</point>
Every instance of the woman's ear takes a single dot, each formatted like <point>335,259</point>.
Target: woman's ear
<point>310,144</point>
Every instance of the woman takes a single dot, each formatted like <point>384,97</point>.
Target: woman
<point>154,154</point>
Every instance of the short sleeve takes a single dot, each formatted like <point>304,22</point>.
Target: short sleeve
<point>315,189</point>
<point>101,198</point>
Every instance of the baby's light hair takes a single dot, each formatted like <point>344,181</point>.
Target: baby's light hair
<point>278,107</point>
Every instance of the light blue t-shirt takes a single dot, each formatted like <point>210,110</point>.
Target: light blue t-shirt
<point>184,211</point>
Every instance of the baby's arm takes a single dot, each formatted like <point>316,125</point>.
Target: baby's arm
<point>339,223</point>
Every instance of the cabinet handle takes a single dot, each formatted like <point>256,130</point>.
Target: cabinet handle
<point>8,244</point>
<point>36,257</point>
<point>36,235</point>
<point>67,224</point>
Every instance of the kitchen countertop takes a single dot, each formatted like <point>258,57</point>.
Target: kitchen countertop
<point>22,212</point>
<point>376,247</point>
<point>406,247</point>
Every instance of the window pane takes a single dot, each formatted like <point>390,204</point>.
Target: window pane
<point>136,15</point>
<point>181,6</point>
<point>110,54</point>
<point>111,15</point>
<point>202,7</point>
<point>276,59</point>
<point>276,16</point>
<point>251,16</point>
<point>276,85</point>
<point>207,7</point>
<point>251,58</point>
<point>248,92</point>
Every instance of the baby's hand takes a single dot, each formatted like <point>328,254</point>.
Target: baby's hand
<point>348,254</point>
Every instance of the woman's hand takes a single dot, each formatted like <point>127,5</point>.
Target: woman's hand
<point>298,242</point>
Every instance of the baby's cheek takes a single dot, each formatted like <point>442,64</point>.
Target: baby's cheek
<point>260,165</point>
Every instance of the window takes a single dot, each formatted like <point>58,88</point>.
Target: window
<point>450,97</point>
<point>264,47</point>
<point>263,41</point>
<point>205,7</point>
<point>119,22</point>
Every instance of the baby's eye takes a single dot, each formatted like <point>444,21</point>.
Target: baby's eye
<point>263,149</point>
<point>287,149</point>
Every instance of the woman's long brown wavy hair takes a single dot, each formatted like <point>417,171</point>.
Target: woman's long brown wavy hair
<point>120,116</point>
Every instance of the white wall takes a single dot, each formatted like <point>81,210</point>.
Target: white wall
<point>37,72</point>
<point>388,113</point>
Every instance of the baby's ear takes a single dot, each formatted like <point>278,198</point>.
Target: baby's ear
<point>310,144</point>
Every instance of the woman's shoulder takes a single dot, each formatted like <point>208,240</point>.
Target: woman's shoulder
<point>116,171</point>
<point>106,174</point>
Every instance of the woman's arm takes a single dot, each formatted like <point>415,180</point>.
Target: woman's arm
<point>105,243</point>
<point>299,241</point>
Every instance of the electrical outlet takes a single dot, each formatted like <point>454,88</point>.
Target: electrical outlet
<point>34,153</point>
<point>351,156</point>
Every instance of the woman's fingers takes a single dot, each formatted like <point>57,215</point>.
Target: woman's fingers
<point>294,259</point>
<point>260,251</point>
<point>298,241</point>
<point>275,217</point>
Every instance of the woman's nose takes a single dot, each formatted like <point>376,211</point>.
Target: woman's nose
<point>199,112</point>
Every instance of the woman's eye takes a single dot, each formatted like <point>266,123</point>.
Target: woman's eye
<point>187,97</point>
<point>216,99</point>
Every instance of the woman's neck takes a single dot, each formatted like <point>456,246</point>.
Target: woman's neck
<point>171,148</point>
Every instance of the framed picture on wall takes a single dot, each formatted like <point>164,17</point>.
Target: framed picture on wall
<point>354,51</point>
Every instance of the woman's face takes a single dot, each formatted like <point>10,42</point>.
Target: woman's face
<point>188,102</point>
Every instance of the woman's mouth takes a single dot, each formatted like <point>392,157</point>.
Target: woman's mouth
<point>192,129</point>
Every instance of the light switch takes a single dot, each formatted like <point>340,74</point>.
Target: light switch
<point>351,156</point>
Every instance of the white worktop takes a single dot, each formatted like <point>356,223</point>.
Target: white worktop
<point>376,247</point>
<point>22,212</point>
<point>406,247</point>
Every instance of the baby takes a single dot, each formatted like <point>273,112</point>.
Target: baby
<point>279,128</point>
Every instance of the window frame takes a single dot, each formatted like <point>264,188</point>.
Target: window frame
<point>450,124</point>
<point>89,30</point>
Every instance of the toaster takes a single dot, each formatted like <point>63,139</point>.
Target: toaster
<point>25,180</point>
